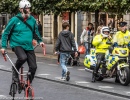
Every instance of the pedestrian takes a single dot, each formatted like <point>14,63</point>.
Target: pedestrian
<point>21,37</point>
<point>99,28</point>
<point>86,37</point>
<point>64,45</point>
<point>40,27</point>
<point>3,29</point>
<point>58,57</point>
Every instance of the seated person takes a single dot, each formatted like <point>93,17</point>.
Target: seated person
<point>100,43</point>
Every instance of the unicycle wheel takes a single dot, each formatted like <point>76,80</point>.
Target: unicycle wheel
<point>13,90</point>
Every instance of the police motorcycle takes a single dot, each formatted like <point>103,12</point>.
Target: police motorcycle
<point>115,64</point>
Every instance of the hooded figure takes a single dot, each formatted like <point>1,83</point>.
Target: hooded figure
<point>64,45</point>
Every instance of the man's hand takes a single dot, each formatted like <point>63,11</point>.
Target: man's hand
<point>56,53</point>
<point>109,37</point>
<point>34,42</point>
<point>76,54</point>
<point>2,51</point>
<point>42,44</point>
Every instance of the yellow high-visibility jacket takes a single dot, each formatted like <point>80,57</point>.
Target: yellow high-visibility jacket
<point>100,44</point>
<point>122,38</point>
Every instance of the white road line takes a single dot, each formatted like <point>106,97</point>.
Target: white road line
<point>89,70</point>
<point>81,82</point>
<point>128,92</point>
<point>39,62</point>
<point>2,66</point>
<point>82,69</point>
<point>9,68</point>
<point>105,87</point>
<point>57,77</point>
<point>53,64</point>
<point>2,96</point>
<point>42,74</point>
<point>69,67</point>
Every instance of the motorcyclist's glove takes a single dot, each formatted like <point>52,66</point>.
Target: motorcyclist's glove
<point>115,44</point>
<point>128,44</point>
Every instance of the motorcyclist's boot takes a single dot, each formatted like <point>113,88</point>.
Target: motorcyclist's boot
<point>117,79</point>
<point>104,69</point>
<point>94,75</point>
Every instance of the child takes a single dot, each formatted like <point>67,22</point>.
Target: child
<point>64,45</point>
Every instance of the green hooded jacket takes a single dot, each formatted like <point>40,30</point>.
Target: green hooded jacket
<point>21,34</point>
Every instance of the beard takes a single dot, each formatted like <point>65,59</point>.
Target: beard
<point>25,15</point>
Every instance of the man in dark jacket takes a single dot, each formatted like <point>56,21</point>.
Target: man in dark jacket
<point>64,45</point>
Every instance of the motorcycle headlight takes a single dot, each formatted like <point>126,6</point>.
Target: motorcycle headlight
<point>123,51</point>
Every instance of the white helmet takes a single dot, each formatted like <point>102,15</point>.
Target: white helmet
<point>105,29</point>
<point>24,4</point>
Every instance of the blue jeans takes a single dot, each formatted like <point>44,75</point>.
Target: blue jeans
<point>63,62</point>
<point>87,48</point>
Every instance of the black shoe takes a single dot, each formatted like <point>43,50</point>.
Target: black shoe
<point>94,77</point>
<point>20,87</point>
<point>117,80</point>
<point>67,76</point>
<point>15,75</point>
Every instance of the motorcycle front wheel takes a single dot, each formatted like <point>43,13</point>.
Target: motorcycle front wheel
<point>125,77</point>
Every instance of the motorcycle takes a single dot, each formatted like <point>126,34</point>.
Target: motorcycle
<point>115,65</point>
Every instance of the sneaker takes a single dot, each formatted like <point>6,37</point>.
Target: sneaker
<point>63,78</point>
<point>67,76</point>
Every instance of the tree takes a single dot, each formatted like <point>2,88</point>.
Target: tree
<point>58,6</point>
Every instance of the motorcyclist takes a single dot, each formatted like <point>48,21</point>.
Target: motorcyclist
<point>101,45</point>
<point>122,38</point>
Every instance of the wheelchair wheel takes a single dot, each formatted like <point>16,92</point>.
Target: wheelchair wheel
<point>78,63</point>
<point>71,62</point>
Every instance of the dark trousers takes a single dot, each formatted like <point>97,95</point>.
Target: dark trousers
<point>100,57</point>
<point>58,58</point>
<point>23,56</point>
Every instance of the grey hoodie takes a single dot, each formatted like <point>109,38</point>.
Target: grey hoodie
<point>65,42</point>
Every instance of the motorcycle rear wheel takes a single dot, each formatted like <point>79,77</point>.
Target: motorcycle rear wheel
<point>125,78</point>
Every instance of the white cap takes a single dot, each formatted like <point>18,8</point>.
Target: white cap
<point>24,4</point>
